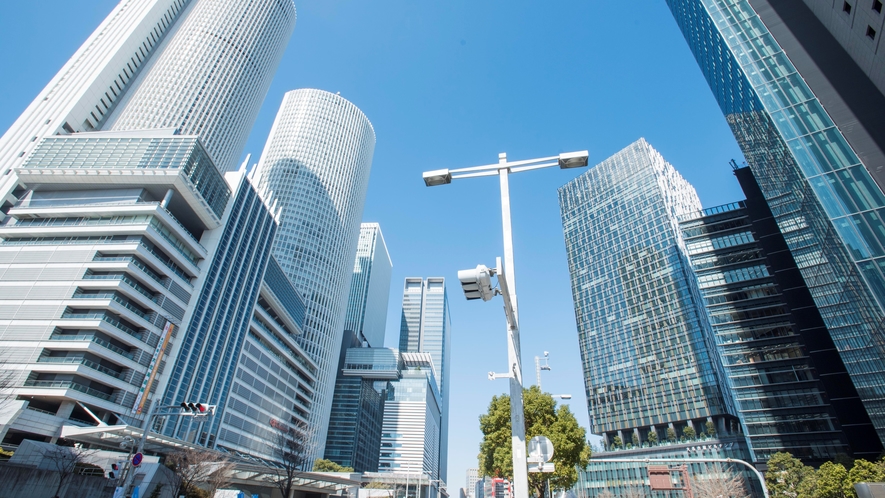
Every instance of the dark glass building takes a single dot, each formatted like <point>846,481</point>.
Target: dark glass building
<point>808,122</point>
<point>354,437</point>
<point>770,341</point>
<point>641,328</point>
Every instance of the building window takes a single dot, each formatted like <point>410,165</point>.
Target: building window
<point>877,6</point>
<point>871,32</point>
<point>846,7</point>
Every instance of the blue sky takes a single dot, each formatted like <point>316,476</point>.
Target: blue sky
<point>449,85</point>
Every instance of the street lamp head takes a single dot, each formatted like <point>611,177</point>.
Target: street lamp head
<point>573,159</point>
<point>437,177</point>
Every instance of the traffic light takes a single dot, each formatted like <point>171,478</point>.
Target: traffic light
<point>477,283</point>
<point>197,409</point>
<point>116,470</point>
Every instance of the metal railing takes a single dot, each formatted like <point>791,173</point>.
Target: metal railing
<point>67,384</point>
<point>98,340</point>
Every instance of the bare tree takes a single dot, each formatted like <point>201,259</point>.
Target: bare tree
<point>7,383</point>
<point>719,481</point>
<point>606,494</point>
<point>220,476</point>
<point>291,450</point>
<point>635,492</point>
<point>66,460</point>
<point>192,467</point>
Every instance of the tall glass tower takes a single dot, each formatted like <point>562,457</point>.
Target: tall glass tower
<point>317,161</point>
<point>800,126</point>
<point>641,327</point>
<point>426,327</point>
<point>369,287</point>
<point>210,77</point>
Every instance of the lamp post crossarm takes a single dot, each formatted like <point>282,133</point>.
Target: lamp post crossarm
<point>510,164</point>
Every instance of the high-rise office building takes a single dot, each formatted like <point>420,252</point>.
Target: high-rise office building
<point>426,327</point>
<point>790,388</point>
<point>369,287</point>
<point>87,87</point>
<point>808,120</point>
<point>317,161</point>
<point>410,435</point>
<point>472,479</point>
<point>354,437</point>
<point>641,331</point>
<point>102,257</point>
<point>215,328</point>
<point>209,77</point>
<point>137,234</point>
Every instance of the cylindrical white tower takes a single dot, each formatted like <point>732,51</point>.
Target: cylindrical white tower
<point>317,161</point>
<point>211,75</point>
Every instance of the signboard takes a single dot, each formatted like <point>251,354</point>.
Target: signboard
<point>153,367</point>
<point>118,492</point>
<point>540,449</point>
<point>542,467</point>
<point>136,459</point>
<point>135,492</point>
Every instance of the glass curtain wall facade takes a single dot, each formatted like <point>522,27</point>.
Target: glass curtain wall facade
<point>410,435</point>
<point>780,399</point>
<point>210,77</point>
<point>826,204</point>
<point>81,95</point>
<point>275,379</point>
<point>354,438</point>
<point>641,327</point>
<point>216,328</point>
<point>426,327</point>
<point>369,287</point>
<point>317,161</point>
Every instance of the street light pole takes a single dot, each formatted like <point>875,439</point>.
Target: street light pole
<point>508,287</point>
<point>514,358</point>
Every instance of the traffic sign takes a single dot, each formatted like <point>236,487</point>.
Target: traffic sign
<point>136,459</point>
<point>540,449</point>
<point>542,467</point>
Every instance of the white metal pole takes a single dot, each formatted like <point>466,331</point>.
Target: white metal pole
<point>517,418</point>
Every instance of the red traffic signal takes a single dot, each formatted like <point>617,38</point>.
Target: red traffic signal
<point>195,408</point>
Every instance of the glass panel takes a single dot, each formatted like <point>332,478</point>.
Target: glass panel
<point>874,278</point>
<point>806,161</point>
<point>871,240</point>
<point>852,240</point>
<point>839,188</point>
<point>866,187</point>
<point>832,205</point>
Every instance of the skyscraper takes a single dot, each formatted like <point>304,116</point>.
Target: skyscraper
<point>641,330</point>
<point>369,287</point>
<point>790,389</point>
<point>317,161</point>
<point>210,77</point>
<point>426,327</point>
<point>83,92</point>
<point>809,125</point>
<point>135,231</point>
<point>410,435</point>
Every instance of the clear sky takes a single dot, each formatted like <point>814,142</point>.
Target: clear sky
<point>448,85</point>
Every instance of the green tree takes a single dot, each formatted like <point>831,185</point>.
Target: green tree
<point>711,428</point>
<point>689,433</point>
<point>830,481</point>
<point>652,437</point>
<point>636,440</point>
<point>323,465</point>
<point>542,418</point>
<point>863,471</point>
<point>616,442</point>
<point>671,434</point>
<point>785,475</point>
